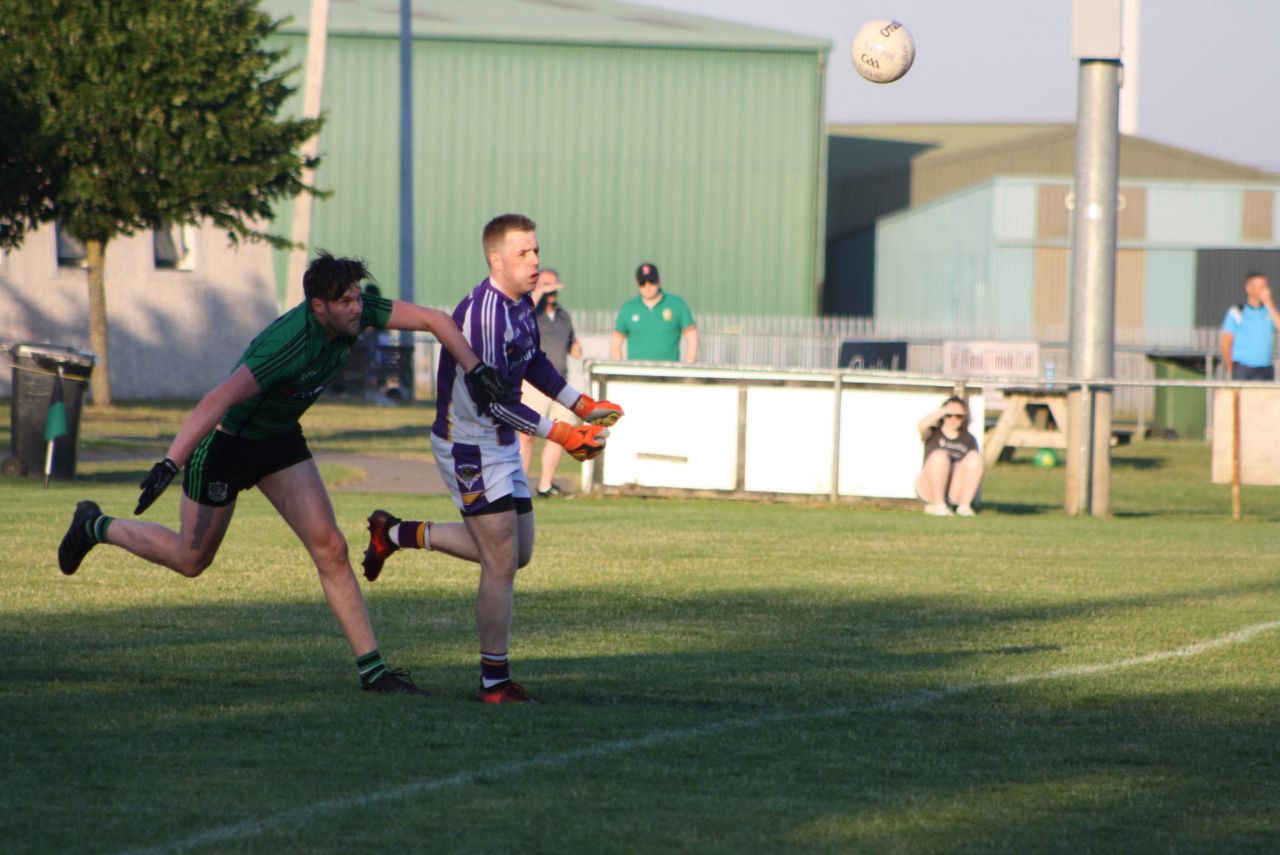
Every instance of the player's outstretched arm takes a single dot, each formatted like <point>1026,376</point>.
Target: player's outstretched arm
<point>487,386</point>
<point>410,316</point>
<point>199,422</point>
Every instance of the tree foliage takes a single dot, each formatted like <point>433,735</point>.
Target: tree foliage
<point>122,115</point>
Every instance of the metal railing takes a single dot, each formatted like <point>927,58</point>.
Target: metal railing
<point>814,342</point>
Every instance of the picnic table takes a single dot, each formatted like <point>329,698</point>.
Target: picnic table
<point>1033,417</point>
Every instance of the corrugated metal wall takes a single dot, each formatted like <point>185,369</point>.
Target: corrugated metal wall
<point>1170,292</point>
<point>872,176</point>
<point>929,261</point>
<point>1194,215</point>
<point>934,263</point>
<point>705,162</point>
<point>1220,277</point>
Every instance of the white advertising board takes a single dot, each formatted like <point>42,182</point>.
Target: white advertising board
<point>789,439</point>
<point>682,431</point>
<point>681,435</point>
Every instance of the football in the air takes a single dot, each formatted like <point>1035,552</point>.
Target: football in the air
<point>883,51</point>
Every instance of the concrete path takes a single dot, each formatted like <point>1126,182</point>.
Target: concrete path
<point>386,474</point>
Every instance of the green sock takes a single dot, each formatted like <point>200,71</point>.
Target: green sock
<point>370,666</point>
<point>97,528</point>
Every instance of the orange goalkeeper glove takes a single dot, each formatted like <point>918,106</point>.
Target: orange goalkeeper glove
<point>583,442</point>
<point>596,412</point>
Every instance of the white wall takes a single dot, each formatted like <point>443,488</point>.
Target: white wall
<point>172,334</point>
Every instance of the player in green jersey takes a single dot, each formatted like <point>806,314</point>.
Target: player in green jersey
<point>245,433</point>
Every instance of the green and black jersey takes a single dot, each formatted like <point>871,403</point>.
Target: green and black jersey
<point>293,362</point>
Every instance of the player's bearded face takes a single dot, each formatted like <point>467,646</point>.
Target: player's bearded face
<point>342,316</point>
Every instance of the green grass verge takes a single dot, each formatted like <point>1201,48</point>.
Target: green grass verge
<point>717,677</point>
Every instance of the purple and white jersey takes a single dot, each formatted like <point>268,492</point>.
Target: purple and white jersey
<point>504,334</point>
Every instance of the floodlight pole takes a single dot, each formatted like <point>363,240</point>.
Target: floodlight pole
<point>406,162</point>
<point>1096,34</point>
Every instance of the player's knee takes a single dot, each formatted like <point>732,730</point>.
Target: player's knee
<point>500,568</point>
<point>331,551</point>
<point>194,564</point>
<point>524,557</point>
<point>938,459</point>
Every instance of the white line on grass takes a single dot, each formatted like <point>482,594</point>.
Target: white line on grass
<point>253,827</point>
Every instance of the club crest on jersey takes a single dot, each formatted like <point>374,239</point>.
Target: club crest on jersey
<point>218,491</point>
<point>666,314</point>
<point>467,473</point>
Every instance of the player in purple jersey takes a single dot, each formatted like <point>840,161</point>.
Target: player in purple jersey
<point>245,433</point>
<point>477,452</point>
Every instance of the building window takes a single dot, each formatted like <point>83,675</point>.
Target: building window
<point>173,247</point>
<point>70,249</point>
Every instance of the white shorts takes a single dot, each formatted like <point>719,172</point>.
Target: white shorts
<point>479,475</point>
<point>544,406</point>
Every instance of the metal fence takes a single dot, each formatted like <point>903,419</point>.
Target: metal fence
<point>751,341</point>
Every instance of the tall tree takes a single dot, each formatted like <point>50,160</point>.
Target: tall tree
<point>124,115</point>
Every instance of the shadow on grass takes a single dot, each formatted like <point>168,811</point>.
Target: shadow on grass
<point>1019,508</point>
<point>1138,464</point>
<point>116,473</point>
<point>774,720</point>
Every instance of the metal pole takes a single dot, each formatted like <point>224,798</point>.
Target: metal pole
<point>835,438</point>
<point>1235,454</point>
<point>1093,269</point>
<point>406,167</point>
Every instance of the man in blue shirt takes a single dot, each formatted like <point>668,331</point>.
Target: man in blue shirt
<point>1248,332</point>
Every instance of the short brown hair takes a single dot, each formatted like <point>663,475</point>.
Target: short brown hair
<point>496,229</point>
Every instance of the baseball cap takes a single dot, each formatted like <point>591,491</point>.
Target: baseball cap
<point>647,273</point>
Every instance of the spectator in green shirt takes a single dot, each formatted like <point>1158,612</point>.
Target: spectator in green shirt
<point>653,323</point>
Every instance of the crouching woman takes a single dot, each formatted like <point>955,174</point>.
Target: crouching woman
<point>953,468</point>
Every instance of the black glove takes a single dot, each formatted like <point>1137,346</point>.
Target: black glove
<point>155,482</point>
<point>488,387</point>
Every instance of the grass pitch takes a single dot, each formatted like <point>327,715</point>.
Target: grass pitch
<point>716,677</point>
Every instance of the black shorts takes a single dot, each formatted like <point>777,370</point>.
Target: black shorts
<point>1252,372</point>
<point>506,503</point>
<point>223,464</point>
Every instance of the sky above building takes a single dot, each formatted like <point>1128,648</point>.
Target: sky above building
<point>1207,73</point>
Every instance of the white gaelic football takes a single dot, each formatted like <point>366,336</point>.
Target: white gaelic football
<point>883,51</point>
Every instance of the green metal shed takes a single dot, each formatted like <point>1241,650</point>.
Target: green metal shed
<point>629,134</point>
